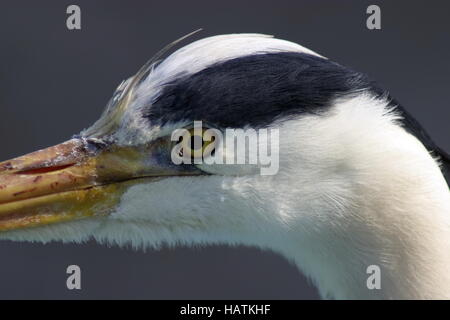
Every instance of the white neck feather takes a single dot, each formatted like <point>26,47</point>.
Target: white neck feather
<point>381,200</point>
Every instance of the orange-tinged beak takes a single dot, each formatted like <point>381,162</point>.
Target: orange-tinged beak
<point>68,181</point>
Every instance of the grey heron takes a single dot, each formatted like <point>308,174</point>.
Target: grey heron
<point>360,183</point>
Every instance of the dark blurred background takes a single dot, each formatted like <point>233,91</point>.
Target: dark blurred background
<point>55,82</point>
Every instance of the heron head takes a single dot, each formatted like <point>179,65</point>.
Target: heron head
<point>123,174</point>
<point>123,170</point>
<point>323,167</point>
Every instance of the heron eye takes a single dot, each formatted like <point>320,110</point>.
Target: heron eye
<point>196,145</point>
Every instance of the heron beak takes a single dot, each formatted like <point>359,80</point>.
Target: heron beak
<point>68,182</point>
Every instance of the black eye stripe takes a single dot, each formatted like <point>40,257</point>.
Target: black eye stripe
<point>254,90</point>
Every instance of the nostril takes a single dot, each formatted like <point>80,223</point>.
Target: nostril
<point>45,169</point>
<point>6,166</point>
<point>94,145</point>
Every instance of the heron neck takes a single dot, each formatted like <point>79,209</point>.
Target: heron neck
<point>392,241</point>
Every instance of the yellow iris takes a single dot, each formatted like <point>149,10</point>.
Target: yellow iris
<point>197,143</point>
